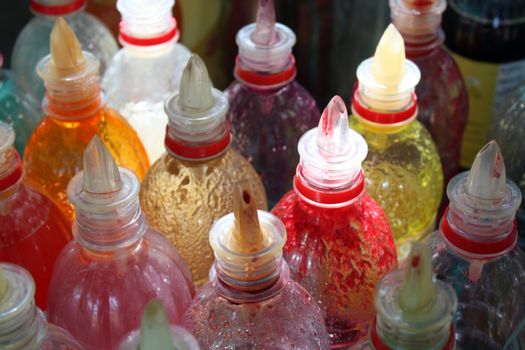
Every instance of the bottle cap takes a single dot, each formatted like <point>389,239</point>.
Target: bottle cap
<point>265,50</point>
<point>147,22</point>
<point>10,163</point>
<point>329,173</point>
<point>56,7</point>
<point>197,127</point>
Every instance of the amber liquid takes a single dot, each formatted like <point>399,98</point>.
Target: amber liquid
<point>55,150</point>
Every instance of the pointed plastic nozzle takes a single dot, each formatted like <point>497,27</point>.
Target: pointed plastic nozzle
<point>195,86</point>
<point>101,174</point>
<point>265,33</point>
<point>388,66</point>
<point>4,285</point>
<point>418,289</point>
<point>333,131</point>
<point>66,53</point>
<point>247,234</point>
<point>154,328</point>
<point>487,178</point>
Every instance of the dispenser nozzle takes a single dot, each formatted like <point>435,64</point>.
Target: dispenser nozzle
<point>388,66</point>
<point>265,33</point>
<point>101,174</point>
<point>4,284</point>
<point>247,236</point>
<point>332,133</point>
<point>418,289</point>
<point>195,86</point>
<point>66,53</point>
<point>154,328</point>
<point>487,178</point>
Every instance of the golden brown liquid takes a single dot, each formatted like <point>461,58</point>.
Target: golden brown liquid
<point>182,199</point>
<point>56,147</point>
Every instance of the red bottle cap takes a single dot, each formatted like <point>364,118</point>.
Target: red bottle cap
<point>13,177</point>
<point>384,118</point>
<point>197,151</point>
<point>56,10</point>
<point>265,79</point>
<point>161,39</point>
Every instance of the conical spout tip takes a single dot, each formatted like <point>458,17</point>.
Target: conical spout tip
<point>154,328</point>
<point>418,289</point>
<point>265,33</point>
<point>195,86</point>
<point>101,174</point>
<point>247,235</point>
<point>487,178</point>
<point>66,53</point>
<point>388,66</point>
<point>332,133</point>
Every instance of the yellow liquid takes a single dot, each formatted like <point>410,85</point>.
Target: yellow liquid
<point>182,199</point>
<point>56,148</point>
<point>403,174</point>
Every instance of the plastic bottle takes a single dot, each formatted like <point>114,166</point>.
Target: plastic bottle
<point>17,107</point>
<point>189,187</point>
<point>117,263</point>
<point>147,69</point>
<point>442,97</point>
<point>23,326</point>
<point>251,302</point>
<point>75,110</point>
<point>33,230</point>
<point>475,251</point>
<point>403,170</point>
<point>414,310</point>
<point>157,334</point>
<point>32,43</point>
<point>339,241</point>
<point>269,110</point>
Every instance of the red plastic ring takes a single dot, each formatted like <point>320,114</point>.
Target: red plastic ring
<point>57,10</point>
<point>265,79</point>
<point>479,248</point>
<point>161,39</point>
<point>384,118</point>
<point>12,178</point>
<point>379,345</point>
<point>189,151</point>
<point>329,197</point>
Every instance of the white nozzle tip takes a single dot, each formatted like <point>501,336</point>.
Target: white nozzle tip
<point>332,133</point>
<point>195,87</point>
<point>265,32</point>
<point>101,174</point>
<point>154,328</point>
<point>66,52</point>
<point>388,66</point>
<point>487,178</point>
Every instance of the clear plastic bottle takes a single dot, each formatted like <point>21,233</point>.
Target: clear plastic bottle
<point>403,170</point>
<point>442,97</point>
<point>269,110</point>
<point>32,43</point>
<point>17,107</point>
<point>339,241</point>
<point>251,302</point>
<point>414,310</point>
<point>146,70</point>
<point>190,186</point>
<point>508,129</point>
<point>33,230</point>
<point>475,251</point>
<point>23,326</point>
<point>75,110</point>
<point>157,334</point>
<point>117,263</point>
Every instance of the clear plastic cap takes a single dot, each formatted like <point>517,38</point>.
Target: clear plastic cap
<point>387,80</point>
<point>8,159</point>
<point>417,18</point>
<point>414,310</point>
<point>265,46</point>
<point>331,154</point>
<point>146,18</point>
<point>197,111</point>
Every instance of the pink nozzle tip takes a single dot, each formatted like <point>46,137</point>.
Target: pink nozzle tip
<point>487,178</point>
<point>332,133</point>
<point>265,33</point>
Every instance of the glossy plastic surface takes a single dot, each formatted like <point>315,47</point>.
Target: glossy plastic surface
<point>267,126</point>
<point>54,153</point>
<point>32,45</point>
<point>183,198</point>
<point>403,174</point>
<point>33,231</point>
<point>338,255</point>
<point>99,297</point>
<point>58,339</point>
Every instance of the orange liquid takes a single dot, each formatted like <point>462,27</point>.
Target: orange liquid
<point>56,147</point>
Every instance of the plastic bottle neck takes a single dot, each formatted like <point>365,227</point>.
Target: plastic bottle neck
<point>55,8</point>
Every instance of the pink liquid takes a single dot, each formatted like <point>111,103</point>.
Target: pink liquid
<point>33,231</point>
<point>100,297</point>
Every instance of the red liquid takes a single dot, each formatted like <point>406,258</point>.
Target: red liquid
<point>33,231</point>
<point>338,255</point>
